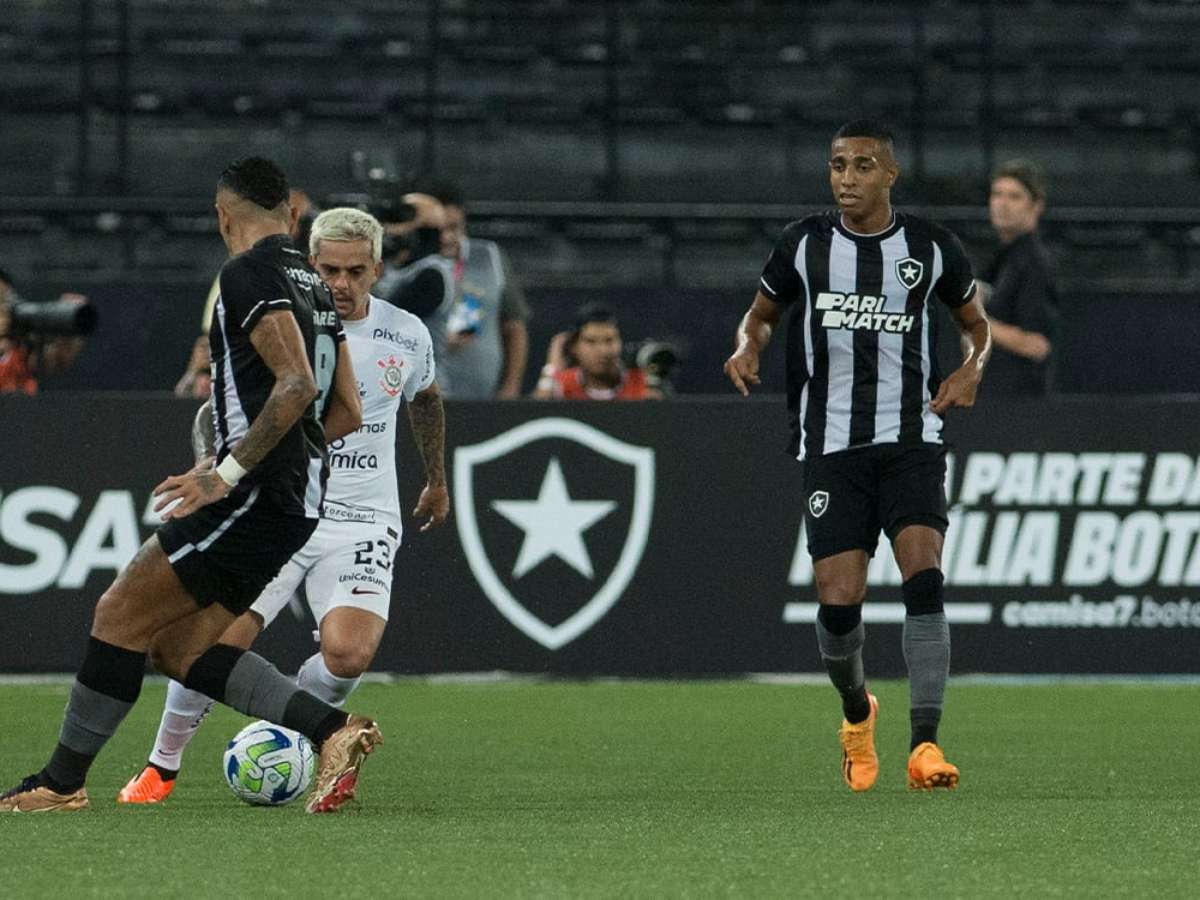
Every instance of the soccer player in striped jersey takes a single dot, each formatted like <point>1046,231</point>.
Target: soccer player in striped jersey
<point>865,404</point>
<point>346,566</point>
<point>279,358</point>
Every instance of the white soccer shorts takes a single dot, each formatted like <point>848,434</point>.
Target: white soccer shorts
<point>342,564</point>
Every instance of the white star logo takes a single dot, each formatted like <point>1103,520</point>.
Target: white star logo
<point>909,272</point>
<point>553,524</point>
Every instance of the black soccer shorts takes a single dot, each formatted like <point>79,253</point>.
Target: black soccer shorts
<point>852,495</point>
<point>228,551</point>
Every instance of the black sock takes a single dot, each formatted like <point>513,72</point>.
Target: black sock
<point>167,774</point>
<point>856,708</point>
<point>924,726</point>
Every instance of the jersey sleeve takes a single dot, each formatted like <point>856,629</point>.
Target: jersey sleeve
<point>780,281</point>
<point>956,286</point>
<point>426,371</point>
<point>250,291</point>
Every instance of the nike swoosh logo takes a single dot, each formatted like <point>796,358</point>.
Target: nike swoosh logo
<point>358,590</point>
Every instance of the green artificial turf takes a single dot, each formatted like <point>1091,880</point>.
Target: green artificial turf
<point>646,789</point>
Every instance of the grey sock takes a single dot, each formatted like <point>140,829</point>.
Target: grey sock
<point>257,688</point>
<point>91,719</point>
<point>842,655</point>
<point>927,655</point>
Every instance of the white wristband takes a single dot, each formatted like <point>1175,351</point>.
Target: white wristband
<point>231,471</point>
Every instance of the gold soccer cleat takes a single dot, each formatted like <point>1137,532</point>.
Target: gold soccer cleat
<point>928,769</point>
<point>147,786</point>
<point>342,755</point>
<point>29,797</point>
<point>860,765</point>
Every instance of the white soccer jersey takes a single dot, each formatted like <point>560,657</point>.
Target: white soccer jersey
<point>393,358</point>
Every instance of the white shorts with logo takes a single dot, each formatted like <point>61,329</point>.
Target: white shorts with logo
<point>342,564</point>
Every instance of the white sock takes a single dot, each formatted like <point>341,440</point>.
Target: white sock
<point>182,714</point>
<point>314,676</point>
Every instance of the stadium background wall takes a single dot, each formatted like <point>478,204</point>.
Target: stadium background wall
<point>1110,343</point>
<point>1073,546</point>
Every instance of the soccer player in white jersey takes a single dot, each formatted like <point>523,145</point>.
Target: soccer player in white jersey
<point>346,566</point>
<point>866,402</point>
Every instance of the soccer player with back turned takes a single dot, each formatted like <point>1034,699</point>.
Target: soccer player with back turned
<point>865,402</point>
<point>279,359</point>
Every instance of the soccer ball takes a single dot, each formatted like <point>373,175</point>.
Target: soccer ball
<point>267,765</point>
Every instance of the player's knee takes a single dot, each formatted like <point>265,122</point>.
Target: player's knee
<point>841,591</point>
<point>113,619</point>
<point>923,593</point>
<point>346,660</point>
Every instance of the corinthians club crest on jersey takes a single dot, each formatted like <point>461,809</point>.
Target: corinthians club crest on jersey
<point>553,516</point>
<point>392,379</point>
<point>909,271</point>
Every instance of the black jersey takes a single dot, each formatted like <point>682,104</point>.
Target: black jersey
<point>273,275</point>
<point>861,360</point>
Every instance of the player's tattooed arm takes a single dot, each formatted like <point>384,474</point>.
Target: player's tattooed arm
<point>960,388</point>
<point>428,421</point>
<point>278,341</point>
<point>344,414</point>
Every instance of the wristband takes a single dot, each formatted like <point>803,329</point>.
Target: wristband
<point>231,471</point>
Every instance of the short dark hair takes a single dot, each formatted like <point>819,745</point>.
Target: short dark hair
<point>1028,173</point>
<point>446,193</point>
<point>256,179</point>
<point>5,277</point>
<point>868,128</point>
<point>591,313</point>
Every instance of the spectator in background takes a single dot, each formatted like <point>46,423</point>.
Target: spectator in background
<point>196,380</point>
<point>25,354</point>
<point>1018,286</point>
<point>487,342</point>
<point>586,364</point>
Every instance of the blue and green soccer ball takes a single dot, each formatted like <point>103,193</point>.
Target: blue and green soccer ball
<point>268,765</point>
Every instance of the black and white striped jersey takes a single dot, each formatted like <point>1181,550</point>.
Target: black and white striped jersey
<point>273,275</point>
<point>861,358</point>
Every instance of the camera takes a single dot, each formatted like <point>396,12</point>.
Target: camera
<point>59,317</point>
<point>657,358</point>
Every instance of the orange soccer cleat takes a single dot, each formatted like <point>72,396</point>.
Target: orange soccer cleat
<point>928,769</point>
<point>860,765</point>
<point>148,786</point>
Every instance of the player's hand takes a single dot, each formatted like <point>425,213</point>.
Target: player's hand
<point>742,369</point>
<point>957,390</point>
<point>434,502</point>
<point>186,493</point>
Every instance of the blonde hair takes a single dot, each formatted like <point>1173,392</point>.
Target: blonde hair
<point>346,224</point>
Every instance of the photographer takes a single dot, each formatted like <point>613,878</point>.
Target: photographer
<point>417,278</point>
<point>38,338</point>
<point>586,363</point>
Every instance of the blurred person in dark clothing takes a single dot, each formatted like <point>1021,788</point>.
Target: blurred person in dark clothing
<point>24,355</point>
<point>1018,286</point>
